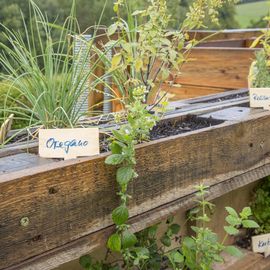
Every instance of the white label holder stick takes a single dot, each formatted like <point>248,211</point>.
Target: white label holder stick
<point>261,244</point>
<point>68,143</point>
<point>260,98</point>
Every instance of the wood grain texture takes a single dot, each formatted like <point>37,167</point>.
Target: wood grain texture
<point>74,249</point>
<point>191,91</point>
<point>225,34</point>
<point>21,161</point>
<point>68,200</point>
<point>226,68</point>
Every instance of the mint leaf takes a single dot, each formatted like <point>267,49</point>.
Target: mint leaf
<point>114,242</point>
<point>246,213</point>
<point>250,224</point>
<point>86,261</point>
<point>115,148</point>
<point>175,228</point>
<point>166,241</point>
<point>128,239</point>
<point>177,257</point>
<point>232,250</point>
<point>231,230</point>
<point>120,215</point>
<point>124,175</point>
<point>231,211</point>
<point>114,159</point>
<point>233,221</point>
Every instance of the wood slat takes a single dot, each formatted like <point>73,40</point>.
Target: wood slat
<point>225,34</point>
<point>73,250</point>
<point>191,91</point>
<point>21,161</point>
<point>225,68</point>
<point>62,200</point>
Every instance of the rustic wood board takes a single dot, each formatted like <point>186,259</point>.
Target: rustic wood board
<point>62,200</point>
<point>225,34</point>
<point>187,91</point>
<point>74,249</point>
<point>210,97</point>
<point>188,106</point>
<point>249,261</point>
<point>217,67</point>
<point>21,161</point>
<point>231,114</point>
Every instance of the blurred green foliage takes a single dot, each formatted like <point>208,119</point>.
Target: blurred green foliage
<point>15,95</point>
<point>261,206</point>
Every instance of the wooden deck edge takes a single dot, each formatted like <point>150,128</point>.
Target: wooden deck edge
<point>89,243</point>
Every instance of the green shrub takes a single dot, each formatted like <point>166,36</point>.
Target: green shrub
<point>261,71</point>
<point>261,206</point>
<point>14,95</point>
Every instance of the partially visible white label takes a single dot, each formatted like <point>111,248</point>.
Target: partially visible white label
<point>261,244</point>
<point>68,143</point>
<point>260,98</point>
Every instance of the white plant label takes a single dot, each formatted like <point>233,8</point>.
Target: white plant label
<point>68,143</point>
<point>259,98</point>
<point>261,244</point>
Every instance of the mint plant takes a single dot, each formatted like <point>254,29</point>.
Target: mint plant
<point>261,206</point>
<point>198,252</point>
<point>203,249</point>
<point>137,129</point>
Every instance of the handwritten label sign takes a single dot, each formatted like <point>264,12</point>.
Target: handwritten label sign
<point>68,143</point>
<point>260,97</point>
<point>261,244</point>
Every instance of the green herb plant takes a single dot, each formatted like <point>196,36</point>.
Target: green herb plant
<point>260,69</point>
<point>145,54</point>
<point>201,251</point>
<point>154,251</point>
<point>261,206</point>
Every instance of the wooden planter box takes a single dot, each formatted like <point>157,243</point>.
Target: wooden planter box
<point>68,203</point>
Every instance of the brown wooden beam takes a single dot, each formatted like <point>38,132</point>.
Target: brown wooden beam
<point>68,200</point>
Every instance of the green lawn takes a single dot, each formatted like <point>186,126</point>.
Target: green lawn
<point>251,11</point>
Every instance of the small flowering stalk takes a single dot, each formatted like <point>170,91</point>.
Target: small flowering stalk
<point>138,127</point>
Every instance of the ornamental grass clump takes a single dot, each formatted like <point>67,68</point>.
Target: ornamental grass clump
<point>40,64</point>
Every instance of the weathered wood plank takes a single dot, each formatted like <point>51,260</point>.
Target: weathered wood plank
<point>249,261</point>
<point>225,34</point>
<point>226,68</point>
<point>191,91</point>
<point>62,200</point>
<point>21,161</point>
<point>229,43</point>
<point>187,106</point>
<point>73,250</point>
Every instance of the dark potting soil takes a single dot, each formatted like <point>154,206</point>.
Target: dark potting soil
<point>244,241</point>
<point>163,129</point>
<point>171,127</point>
<point>174,127</point>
